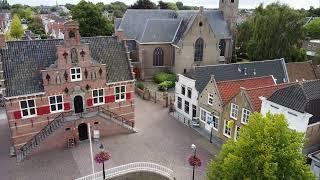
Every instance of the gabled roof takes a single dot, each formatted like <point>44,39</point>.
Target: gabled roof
<point>135,23</point>
<point>254,94</point>
<point>225,72</point>
<point>302,97</point>
<point>301,71</point>
<point>160,30</point>
<point>228,89</point>
<point>24,60</point>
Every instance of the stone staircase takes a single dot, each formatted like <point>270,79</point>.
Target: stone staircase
<point>64,117</point>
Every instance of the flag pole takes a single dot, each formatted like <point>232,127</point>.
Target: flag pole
<point>91,153</point>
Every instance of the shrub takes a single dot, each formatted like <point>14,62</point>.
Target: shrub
<point>165,85</point>
<point>160,77</point>
<point>140,85</point>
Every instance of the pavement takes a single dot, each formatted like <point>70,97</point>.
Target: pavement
<point>160,139</point>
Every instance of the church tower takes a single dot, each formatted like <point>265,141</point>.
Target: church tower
<point>230,11</point>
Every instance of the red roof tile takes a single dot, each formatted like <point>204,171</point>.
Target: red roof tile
<point>228,89</point>
<point>254,93</point>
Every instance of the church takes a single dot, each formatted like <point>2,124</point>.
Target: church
<point>177,40</point>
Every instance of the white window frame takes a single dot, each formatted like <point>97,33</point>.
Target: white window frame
<point>216,122</point>
<point>210,97</point>
<point>236,132</point>
<point>189,90</point>
<point>207,114</point>
<point>75,74</point>
<point>203,113</point>
<point>247,113</point>
<point>236,108</point>
<point>98,97</point>
<point>186,106</point>
<point>225,127</point>
<point>28,108</point>
<point>120,93</point>
<point>56,104</point>
<point>183,92</point>
<point>180,103</point>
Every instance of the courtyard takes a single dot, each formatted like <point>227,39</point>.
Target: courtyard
<point>160,139</point>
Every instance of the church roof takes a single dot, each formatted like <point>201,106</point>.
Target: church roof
<point>24,60</point>
<point>137,23</point>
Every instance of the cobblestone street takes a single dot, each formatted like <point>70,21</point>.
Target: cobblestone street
<point>160,139</point>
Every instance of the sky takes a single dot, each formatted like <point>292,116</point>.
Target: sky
<point>297,4</point>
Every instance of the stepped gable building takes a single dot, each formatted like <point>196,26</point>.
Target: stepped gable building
<point>55,89</point>
<point>169,40</point>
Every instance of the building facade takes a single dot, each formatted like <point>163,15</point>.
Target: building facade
<point>168,40</point>
<point>58,88</point>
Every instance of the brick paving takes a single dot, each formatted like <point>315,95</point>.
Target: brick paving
<point>160,139</point>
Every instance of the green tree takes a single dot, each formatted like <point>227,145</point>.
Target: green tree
<point>16,30</point>
<point>24,12</point>
<point>117,8</point>
<point>4,4</point>
<point>91,20</point>
<point>143,4</point>
<point>167,5</point>
<point>266,149</point>
<point>36,26</point>
<point>312,29</point>
<point>179,5</point>
<point>273,32</point>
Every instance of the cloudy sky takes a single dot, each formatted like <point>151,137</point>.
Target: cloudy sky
<point>206,3</point>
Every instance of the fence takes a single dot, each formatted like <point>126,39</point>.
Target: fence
<point>130,168</point>
<point>163,98</point>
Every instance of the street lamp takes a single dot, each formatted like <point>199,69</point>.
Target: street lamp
<point>194,160</point>
<point>101,157</point>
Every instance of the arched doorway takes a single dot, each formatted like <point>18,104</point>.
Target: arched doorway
<point>83,131</point>
<point>78,104</point>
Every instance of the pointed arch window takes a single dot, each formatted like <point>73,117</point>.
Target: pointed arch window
<point>198,53</point>
<point>222,46</point>
<point>158,57</point>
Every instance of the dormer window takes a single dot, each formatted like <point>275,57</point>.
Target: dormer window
<point>75,74</point>
<point>72,34</point>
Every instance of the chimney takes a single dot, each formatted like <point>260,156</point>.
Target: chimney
<point>2,40</point>
<point>201,9</point>
<point>120,35</point>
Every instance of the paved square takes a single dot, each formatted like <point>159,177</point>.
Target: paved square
<point>160,139</point>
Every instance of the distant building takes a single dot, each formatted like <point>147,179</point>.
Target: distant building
<point>313,47</point>
<point>303,71</point>
<point>54,25</point>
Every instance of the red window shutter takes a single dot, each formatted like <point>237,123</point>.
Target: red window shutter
<point>109,99</point>
<point>67,106</point>
<point>43,110</point>
<point>128,95</point>
<point>17,114</point>
<point>89,102</point>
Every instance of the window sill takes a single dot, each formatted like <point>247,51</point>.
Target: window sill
<point>27,117</point>
<point>244,123</point>
<point>75,80</point>
<point>120,100</point>
<point>226,135</point>
<point>234,118</point>
<point>98,104</point>
<point>55,112</point>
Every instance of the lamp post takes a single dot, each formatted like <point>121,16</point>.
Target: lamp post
<point>101,157</point>
<point>194,160</point>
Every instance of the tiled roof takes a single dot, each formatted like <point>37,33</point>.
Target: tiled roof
<point>302,97</point>
<point>266,91</point>
<point>301,71</point>
<point>228,89</point>
<point>225,72</point>
<point>134,22</point>
<point>316,69</point>
<point>24,60</point>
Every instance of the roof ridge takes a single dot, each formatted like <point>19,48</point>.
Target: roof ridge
<point>239,63</point>
<point>269,86</point>
<point>259,77</point>
<point>309,61</point>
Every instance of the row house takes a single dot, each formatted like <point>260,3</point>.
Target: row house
<point>55,89</point>
<point>198,96</point>
<point>300,104</point>
<point>303,71</point>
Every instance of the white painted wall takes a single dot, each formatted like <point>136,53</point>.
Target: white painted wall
<point>298,122</point>
<point>187,82</point>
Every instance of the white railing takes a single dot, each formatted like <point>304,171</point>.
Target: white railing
<point>130,168</point>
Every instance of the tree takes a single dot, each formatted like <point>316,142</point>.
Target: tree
<point>36,26</point>
<point>117,8</point>
<point>312,29</point>
<point>69,6</point>
<point>91,20</point>
<point>24,12</point>
<point>179,5</point>
<point>16,30</point>
<point>273,32</point>
<point>143,4</point>
<point>266,149</point>
<point>4,4</point>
